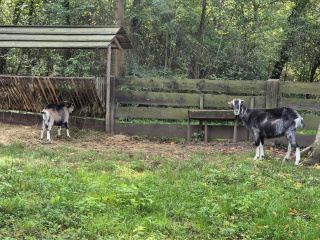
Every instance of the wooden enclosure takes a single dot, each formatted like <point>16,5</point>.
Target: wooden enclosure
<point>31,94</point>
<point>170,100</point>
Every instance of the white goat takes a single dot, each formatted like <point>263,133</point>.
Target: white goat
<point>270,123</point>
<point>56,115</point>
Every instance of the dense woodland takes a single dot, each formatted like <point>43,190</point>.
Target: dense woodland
<point>213,39</point>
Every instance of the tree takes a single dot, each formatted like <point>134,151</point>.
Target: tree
<point>288,41</point>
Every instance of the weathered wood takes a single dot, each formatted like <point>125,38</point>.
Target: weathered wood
<point>299,87</point>
<point>311,121</point>
<point>212,114</point>
<point>179,99</point>
<point>272,93</point>
<point>44,44</point>
<point>57,30</point>
<point>64,37</point>
<point>57,38</point>
<point>112,104</point>
<point>152,112</point>
<point>177,130</point>
<point>205,85</point>
<point>108,90</point>
<point>304,140</point>
<point>300,104</point>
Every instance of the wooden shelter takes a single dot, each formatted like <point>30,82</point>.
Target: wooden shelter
<point>69,37</point>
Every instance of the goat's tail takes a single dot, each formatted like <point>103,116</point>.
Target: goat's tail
<point>45,116</point>
<point>299,122</point>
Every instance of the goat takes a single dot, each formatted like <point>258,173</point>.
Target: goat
<point>270,123</point>
<point>56,115</point>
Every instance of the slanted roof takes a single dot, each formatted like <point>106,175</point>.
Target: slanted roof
<point>89,37</point>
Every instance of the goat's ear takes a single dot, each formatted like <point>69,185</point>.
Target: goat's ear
<point>242,101</point>
<point>230,103</point>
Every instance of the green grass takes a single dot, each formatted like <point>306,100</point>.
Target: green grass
<point>72,194</point>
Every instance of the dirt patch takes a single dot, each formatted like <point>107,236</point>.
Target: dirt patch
<point>86,139</point>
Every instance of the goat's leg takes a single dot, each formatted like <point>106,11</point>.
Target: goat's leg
<point>261,148</point>
<point>50,125</point>
<point>286,158</point>
<point>292,140</point>
<point>59,131</point>
<point>42,130</point>
<point>261,151</point>
<point>66,125</point>
<point>257,142</point>
<point>297,156</point>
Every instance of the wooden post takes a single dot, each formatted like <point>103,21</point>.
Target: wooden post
<point>118,54</point>
<point>112,104</point>
<point>108,91</point>
<point>272,93</point>
<point>201,107</point>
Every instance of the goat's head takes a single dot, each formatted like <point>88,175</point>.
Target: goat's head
<point>70,106</point>
<point>236,104</point>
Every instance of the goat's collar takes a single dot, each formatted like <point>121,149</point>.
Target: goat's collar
<point>245,111</point>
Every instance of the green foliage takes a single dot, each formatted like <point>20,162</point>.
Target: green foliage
<point>240,39</point>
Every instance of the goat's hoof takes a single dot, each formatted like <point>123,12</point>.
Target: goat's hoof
<point>285,159</point>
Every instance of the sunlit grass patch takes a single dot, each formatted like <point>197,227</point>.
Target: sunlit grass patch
<point>74,193</point>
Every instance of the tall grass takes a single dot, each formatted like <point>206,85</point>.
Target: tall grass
<point>134,195</point>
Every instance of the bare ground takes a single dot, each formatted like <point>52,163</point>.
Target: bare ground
<point>100,142</point>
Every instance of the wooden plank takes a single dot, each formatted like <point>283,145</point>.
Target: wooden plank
<point>312,122</point>
<point>58,38</point>
<point>212,114</point>
<point>226,86</point>
<point>300,104</point>
<point>49,30</point>
<point>152,113</point>
<point>180,99</point>
<point>43,44</point>
<point>299,88</point>
<point>272,93</point>
<point>304,140</point>
<point>178,130</point>
<point>108,91</point>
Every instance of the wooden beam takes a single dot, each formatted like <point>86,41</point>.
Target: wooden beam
<point>118,44</point>
<point>272,93</point>
<point>57,38</point>
<point>49,30</point>
<point>108,91</point>
<point>43,44</point>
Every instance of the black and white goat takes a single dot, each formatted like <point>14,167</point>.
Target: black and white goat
<point>56,115</point>
<point>270,123</point>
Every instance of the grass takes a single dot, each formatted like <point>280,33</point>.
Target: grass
<point>112,194</point>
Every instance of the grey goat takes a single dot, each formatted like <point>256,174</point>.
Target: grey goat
<point>270,123</point>
<point>56,115</point>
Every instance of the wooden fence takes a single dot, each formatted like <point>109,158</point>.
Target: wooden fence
<point>170,100</point>
<point>31,94</point>
<point>180,95</point>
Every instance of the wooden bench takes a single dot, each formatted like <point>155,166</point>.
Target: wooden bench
<point>205,115</point>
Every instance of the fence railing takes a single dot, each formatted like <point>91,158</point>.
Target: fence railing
<point>152,98</point>
<point>171,99</point>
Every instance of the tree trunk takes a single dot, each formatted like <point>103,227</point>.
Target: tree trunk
<point>314,158</point>
<point>287,44</point>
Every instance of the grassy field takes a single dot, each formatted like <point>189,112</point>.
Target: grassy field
<point>71,193</point>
